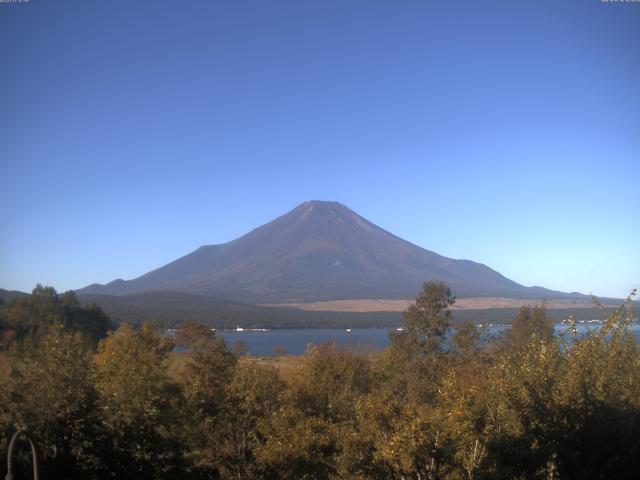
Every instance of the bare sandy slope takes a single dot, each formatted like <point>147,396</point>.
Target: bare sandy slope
<point>380,305</point>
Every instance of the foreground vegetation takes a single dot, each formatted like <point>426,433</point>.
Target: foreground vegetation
<point>103,404</point>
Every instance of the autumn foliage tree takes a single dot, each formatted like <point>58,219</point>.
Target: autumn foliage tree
<point>439,403</point>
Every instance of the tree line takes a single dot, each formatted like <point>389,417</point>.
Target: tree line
<point>103,403</point>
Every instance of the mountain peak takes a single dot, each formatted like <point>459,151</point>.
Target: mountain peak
<point>322,206</point>
<point>319,203</point>
<point>318,219</point>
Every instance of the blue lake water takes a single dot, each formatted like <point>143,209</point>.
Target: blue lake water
<point>295,341</point>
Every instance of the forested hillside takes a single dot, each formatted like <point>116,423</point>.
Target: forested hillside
<point>172,308</point>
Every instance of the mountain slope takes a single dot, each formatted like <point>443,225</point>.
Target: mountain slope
<point>318,251</point>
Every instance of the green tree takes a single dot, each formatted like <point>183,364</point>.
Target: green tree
<point>32,315</point>
<point>203,381</point>
<point>89,320</point>
<point>252,397</point>
<point>48,391</point>
<point>426,321</point>
<point>317,410</point>
<point>529,324</point>
<point>413,366</point>
<point>566,409</point>
<point>138,404</point>
<point>399,438</point>
<point>467,339</point>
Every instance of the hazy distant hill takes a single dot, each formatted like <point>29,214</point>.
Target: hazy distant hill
<point>7,295</point>
<point>319,251</point>
<point>171,308</point>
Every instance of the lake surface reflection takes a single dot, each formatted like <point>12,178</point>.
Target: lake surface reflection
<point>295,341</point>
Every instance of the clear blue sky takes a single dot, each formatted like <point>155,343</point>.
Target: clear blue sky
<point>132,132</point>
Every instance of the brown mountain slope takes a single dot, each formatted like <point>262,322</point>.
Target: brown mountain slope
<point>319,251</point>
